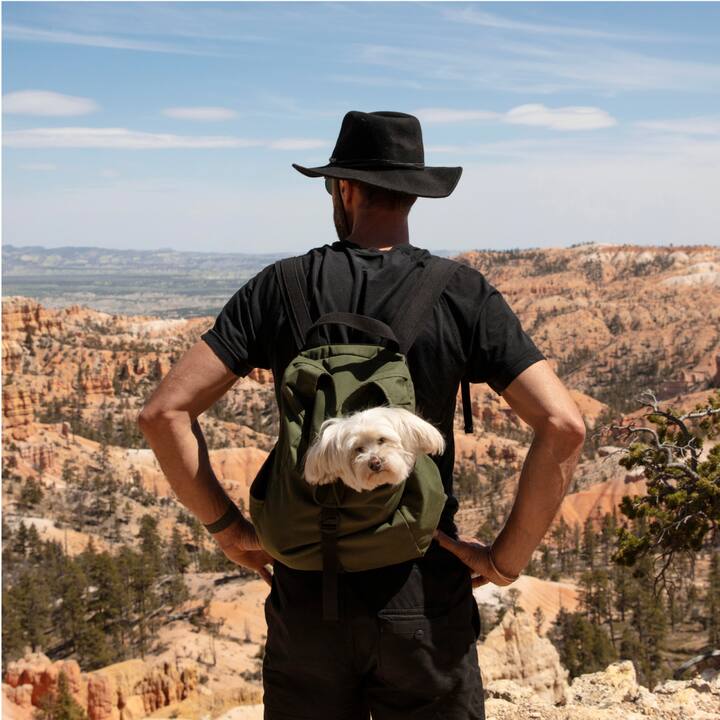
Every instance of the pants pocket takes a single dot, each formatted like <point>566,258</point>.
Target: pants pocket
<point>424,656</point>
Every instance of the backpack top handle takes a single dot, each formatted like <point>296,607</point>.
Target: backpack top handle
<point>365,324</point>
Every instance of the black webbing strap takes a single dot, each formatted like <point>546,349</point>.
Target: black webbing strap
<point>410,316</point>
<point>290,274</point>
<point>467,405</point>
<point>364,323</point>
<point>329,518</point>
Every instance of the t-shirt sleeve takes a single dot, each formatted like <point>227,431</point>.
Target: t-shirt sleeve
<point>239,334</point>
<point>500,347</point>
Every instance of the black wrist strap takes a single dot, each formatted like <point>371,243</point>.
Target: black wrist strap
<point>228,517</point>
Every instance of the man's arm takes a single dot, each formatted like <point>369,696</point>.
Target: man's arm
<point>169,423</point>
<point>539,397</point>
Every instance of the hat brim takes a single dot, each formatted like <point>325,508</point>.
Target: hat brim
<point>431,182</point>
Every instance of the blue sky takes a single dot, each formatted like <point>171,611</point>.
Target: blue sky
<point>141,124</point>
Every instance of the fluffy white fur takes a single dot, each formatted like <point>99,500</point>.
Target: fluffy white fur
<point>370,448</point>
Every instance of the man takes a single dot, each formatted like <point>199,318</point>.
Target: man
<point>405,646</point>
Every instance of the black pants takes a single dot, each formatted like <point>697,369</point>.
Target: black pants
<point>404,647</point>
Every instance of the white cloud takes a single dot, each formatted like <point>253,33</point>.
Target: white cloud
<point>606,69</point>
<point>690,126</point>
<point>498,22</point>
<point>562,118</point>
<point>86,137</point>
<point>376,81</point>
<point>38,167</point>
<point>122,138</point>
<point>47,103</point>
<point>448,115</point>
<point>296,144</point>
<point>200,113</point>
<point>20,32</point>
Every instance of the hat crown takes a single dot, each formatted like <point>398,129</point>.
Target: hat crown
<point>383,137</point>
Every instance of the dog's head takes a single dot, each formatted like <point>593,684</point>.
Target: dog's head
<point>370,448</point>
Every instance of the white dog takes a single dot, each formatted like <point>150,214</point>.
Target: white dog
<point>370,448</point>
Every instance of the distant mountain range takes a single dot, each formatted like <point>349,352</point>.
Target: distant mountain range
<point>165,282</point>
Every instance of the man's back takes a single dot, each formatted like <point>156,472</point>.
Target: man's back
<point>471,329</point>
<point>405,646</point>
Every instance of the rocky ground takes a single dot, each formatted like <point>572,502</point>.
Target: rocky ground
<point>522,677</point>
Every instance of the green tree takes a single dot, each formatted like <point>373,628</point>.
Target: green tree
<point>12,632</point>
<point>178,558</point>
<point>712,600</point>
<point>682,503</point>
<point>151,544</point>
<point>583,646</point>
<point>648,619</point>
<point>31,494</point>
<point>31,600</point>
<point>71,614</point>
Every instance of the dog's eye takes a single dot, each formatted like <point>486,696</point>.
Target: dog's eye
<point>381,440</point>
<point>360,449</point>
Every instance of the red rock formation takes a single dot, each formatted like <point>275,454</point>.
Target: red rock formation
<point>18,408</point>
<point>21,315</point>
<point>124,691</point>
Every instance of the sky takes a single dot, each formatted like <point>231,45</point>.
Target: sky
<point>174,125</point>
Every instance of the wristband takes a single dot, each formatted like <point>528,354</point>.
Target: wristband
<point>228,517</point>
<point>506,578</point>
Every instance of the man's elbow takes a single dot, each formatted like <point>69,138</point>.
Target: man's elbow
<point>151,418</point>
<point>565,430</point>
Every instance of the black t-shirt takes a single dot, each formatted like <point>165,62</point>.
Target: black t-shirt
<point>471,330</point>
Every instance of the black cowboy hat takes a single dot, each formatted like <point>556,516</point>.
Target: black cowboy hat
<point>385,149</point>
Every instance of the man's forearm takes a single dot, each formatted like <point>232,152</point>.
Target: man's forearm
<point>181,450</point>
<point>544,480</point>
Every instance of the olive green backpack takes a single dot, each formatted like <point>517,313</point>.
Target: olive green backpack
<point>333,527</point>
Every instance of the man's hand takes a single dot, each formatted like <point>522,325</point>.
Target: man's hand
<point>475,555</point>
<point>241,545</point>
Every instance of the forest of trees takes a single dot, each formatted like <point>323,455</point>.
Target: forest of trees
<point>648,573</point>
<point>97,607</point>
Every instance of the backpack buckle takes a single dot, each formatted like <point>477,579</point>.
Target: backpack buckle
<point>329,522</point>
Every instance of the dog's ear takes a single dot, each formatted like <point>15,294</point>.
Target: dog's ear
<point>417,434</point>
<point>324,460</point>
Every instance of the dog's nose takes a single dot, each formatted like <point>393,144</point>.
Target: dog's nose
<point>375,464</point>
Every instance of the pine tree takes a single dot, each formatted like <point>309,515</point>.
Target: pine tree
<point>583,646</point>
<point>71,614</point>
<point>588,544</point>
<point>712,600</point>
<point>177,557</point>
<point>151,544</point>
<point>648,619</point>
<point>539,617</point>
<point>31,598</point>
<point>12,632</point>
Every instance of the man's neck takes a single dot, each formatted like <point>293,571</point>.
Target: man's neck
<point>379,236</point>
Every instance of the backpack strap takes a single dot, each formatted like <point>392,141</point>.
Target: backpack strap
<point>408,319</point>
<point>329,519</point>
<point>289,272</point>
<point>410,316</point>
<point>467,405</point>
